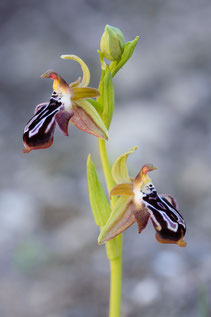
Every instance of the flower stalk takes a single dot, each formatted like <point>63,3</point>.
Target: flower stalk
<point>113,247</point>
<point>106,99</point>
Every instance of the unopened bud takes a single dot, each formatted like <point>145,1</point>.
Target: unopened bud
<point>112,43</point>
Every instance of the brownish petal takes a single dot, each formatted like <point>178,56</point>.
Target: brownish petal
<point>62,119</point>
<point>142,217</point>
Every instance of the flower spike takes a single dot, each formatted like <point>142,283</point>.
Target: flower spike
<point>139,201</point>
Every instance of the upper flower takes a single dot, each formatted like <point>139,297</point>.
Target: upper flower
<point>140,202</point>
<point>67,103</point>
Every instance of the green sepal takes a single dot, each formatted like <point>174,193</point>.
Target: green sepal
<point>119,220</point>
<point>87,119</point>
<point>107,98</point>
<point>128,51</point>
<point>119,168</point>
<point>85,69</point>
<point>98,201</point>
<point>98,106</point>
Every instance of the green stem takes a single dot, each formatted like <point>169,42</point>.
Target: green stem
<point>113,247</point>
<point>106,165</point>
<point>115,287</point>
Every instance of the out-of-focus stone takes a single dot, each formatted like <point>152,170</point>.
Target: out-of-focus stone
<point>168,264</point>
<point>17,214</point>
<point>145,292</point>
<point>75,236</point>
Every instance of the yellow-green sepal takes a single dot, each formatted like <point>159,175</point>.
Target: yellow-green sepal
<point>120,219</point>
<point>119,168</point>
<point>123,189</point>
<point>87,119</point>
<point>107,98</point>
<point>128,51</point>
<point>98,201</point>
<point>85,69</point>
<point>79,93</point>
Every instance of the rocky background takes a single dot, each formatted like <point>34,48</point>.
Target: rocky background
<point>50,263</point>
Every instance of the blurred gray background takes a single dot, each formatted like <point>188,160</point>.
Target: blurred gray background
<point>50,263</point>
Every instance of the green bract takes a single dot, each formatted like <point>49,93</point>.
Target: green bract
<point>128,51</point>
<point>107,97</point>
<point>112,43</point>
<point>98,201</point>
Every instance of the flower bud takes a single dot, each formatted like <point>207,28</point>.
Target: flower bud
<point>112,43</point>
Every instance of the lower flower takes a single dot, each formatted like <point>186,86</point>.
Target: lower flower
<point>139,202</point>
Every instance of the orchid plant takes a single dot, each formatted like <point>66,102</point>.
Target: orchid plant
<point>129,199</point>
